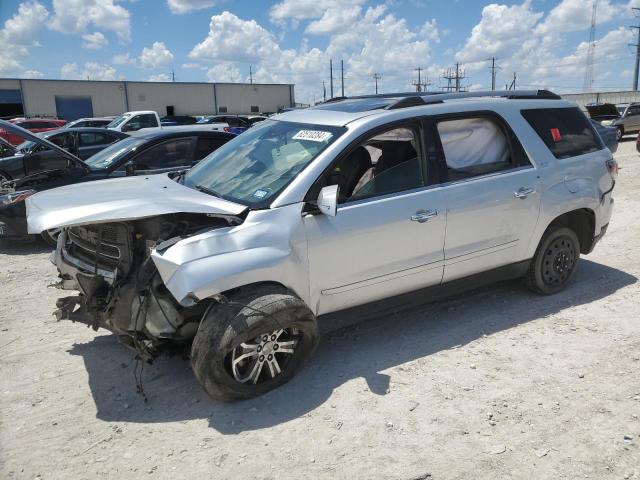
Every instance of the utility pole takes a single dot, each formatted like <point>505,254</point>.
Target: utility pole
<point>331,77</point>
<point>513,83</point>
<point>637,45</point>
<point>173,75</point>
<point>376,77</point>
<point>453,77</point>
<point>250,74</point>
<point>591,49</point>
<point>494,71</point>
<point>420,85</point>
<point>324,92</point>
<point>342,76</point>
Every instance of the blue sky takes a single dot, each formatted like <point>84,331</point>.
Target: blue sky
<point>291,41</point>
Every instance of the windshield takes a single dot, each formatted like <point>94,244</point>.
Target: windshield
<point>105,158</point>
<point>254,167</point>
<point>117,121</point>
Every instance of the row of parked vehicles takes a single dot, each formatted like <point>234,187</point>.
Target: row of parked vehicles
<point>363,204</point>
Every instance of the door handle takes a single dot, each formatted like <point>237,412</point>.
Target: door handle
<point>422,216</point>
<point>523,192</point>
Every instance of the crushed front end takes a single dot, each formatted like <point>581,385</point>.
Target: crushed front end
<point>118,283</point>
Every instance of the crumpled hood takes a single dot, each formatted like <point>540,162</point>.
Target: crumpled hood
<point>602,110</point>
<point>126,198</point>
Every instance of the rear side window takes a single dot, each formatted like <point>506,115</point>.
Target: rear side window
<point>566,131</point>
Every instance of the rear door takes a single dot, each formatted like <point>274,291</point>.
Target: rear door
<point>90,143</point>
<point>491,193</point>
<point>43,158</point>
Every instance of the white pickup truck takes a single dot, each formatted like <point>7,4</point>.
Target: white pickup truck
<point>145,121</point>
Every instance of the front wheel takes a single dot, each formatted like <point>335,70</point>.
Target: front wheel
<point>252,344</point>
<point>619,133</point>
<point>554,261</point>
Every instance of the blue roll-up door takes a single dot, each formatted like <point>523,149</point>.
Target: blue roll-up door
<point>10,103</point>
<point>72,108</point>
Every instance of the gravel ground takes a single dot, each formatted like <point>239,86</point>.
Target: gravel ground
<point>498,383</point>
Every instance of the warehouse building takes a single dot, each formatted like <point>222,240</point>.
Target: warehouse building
<point>71,99</point>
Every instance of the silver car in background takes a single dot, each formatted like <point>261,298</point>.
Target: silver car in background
<point>350,205</point>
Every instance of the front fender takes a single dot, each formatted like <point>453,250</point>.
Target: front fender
<point>269,246</point>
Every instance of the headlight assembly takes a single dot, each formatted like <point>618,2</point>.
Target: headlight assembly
<point>15,197</point>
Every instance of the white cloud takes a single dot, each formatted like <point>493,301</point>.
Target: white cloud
<point>233,39</point>
<point>307,9</point>
<point>335,19</point>
<point>20,33</point>
<point>94,41</point>
<point>75,16</point>
<point>161,77</point>
<point>91,71</point>
<point>224,72</point>
<point>575,15</point>
<point>123,59</point>
<point>179,7</point>
<point>158,55</point>
<point>31,74</point>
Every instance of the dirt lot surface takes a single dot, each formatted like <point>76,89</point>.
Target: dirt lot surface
<point>498,383</point>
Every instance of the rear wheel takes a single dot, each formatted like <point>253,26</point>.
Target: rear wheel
<point>554,261</point>
<point>253,344</point>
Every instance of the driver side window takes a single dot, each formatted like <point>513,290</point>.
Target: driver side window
<point>387,162</point>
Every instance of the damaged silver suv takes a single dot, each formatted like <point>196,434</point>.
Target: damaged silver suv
<point>352,204</point>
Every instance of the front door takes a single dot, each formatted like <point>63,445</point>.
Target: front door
<point>387,237</point>
<point>492,195</point>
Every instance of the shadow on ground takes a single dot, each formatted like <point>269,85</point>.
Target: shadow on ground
<point>26,246</point>
<point>362,350</point>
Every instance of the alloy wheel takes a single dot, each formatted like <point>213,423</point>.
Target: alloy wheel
<point>264,357</point>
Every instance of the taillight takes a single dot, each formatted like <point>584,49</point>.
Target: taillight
<point>227,129</point>
<point>613,167</point>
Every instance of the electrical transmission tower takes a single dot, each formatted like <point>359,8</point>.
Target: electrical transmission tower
<point>420,85</point>
<point>376,77</point>
<point>454,77</point>
<point>588,72</point>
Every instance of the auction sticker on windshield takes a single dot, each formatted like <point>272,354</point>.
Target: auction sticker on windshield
<point>312,135</point>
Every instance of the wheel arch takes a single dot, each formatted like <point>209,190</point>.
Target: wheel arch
<point>582,221</point>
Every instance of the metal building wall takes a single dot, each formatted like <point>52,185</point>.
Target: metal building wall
<point>39,96</point>
<point>186,98</point>
<point>239,98</point>
<point>583,99</point>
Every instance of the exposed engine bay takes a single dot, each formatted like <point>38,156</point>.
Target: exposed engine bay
<point>120,287</point>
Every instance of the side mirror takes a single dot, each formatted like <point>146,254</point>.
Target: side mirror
<point>328,200</point>
<point>130,169</point>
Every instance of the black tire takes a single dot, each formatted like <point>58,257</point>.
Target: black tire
<point>251,313</point>
<point>554,262</point>
<point>619,133</point>
<point>51,237</point>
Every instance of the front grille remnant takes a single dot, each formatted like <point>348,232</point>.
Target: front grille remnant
<point>108,249</point>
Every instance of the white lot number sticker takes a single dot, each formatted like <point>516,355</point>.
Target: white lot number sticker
<point>312,135</point>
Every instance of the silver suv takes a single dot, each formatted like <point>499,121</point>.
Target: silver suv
<point>312,212</point>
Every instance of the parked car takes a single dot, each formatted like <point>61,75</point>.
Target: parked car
<point>335,207</point>
<point>142,155</point>
<point>172,120</point>
<point>6,149</point>
<point>145,121</point>
<point>624,117</point>
<point>97,122</point>
<point>609,135</point>
<point>236,124</point>
<point>35,125</point>
<point>253,119</point>
<point>33,157</point>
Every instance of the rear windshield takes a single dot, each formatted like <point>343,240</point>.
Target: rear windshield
<point>566,131</point>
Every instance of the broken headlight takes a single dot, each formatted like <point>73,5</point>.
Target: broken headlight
<point>15,197</point>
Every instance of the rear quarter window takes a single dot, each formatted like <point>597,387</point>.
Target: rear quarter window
<point>565,131</point>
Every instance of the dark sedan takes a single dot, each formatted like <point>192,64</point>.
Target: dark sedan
<point>149,153</point>
<point>32,157</point>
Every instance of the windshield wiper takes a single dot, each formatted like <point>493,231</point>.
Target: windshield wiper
<point>208,191</point>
